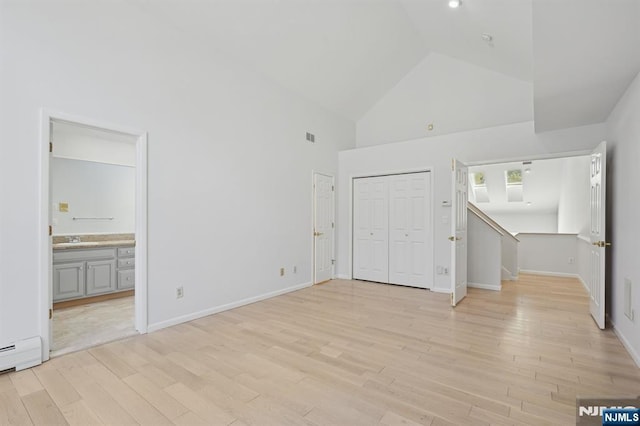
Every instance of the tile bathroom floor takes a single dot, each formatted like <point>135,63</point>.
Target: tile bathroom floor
<point>80,327</point>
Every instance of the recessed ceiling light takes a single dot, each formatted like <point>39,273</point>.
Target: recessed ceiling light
<point>453,4</point>
<point>528,203</point>
<point>527,170</point>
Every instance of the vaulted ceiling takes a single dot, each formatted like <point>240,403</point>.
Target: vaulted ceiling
<point>580,55</point>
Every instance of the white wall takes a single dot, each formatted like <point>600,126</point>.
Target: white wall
<point>623,128</point>
<point>502,143</point>
<point>229,170</point>
<point>484,254</point>
<point>527,222</point>
<point>451,94</point>
<point>548,253</point>
<point>573,206</point>
<point>584,260</point>
<point>510,249</point>
<point>80,143</point>
<point>92,190</point>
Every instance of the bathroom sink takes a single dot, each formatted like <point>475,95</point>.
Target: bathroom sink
<point>79,243</point>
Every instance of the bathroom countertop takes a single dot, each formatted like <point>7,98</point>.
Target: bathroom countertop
<point>93,241</point>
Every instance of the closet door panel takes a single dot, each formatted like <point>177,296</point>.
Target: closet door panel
<point>371,229</point>
<point>411,259</point>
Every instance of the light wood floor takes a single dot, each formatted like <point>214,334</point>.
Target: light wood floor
<point>344,353</point>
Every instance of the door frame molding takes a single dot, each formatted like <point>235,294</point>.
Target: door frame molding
<point>313,223</point>
<point>48,116</point>
<point>429,169</point>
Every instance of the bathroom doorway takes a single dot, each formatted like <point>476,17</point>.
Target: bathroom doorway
<point>95,253</point>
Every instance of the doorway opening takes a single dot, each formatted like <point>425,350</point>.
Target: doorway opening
<point>554,207</point>
<point>94,202</point>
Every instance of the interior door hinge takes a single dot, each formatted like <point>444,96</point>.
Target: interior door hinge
<point>50,313</point>
<point>50,146</point>
<point>452,299</point>
<point>453,164</point>
<point>50,230</point>
<point>333,225</point>
<point>333,261</point>
<point>333,188</point>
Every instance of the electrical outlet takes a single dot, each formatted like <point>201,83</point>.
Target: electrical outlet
<point>179,292</point>
<point>282,272</point>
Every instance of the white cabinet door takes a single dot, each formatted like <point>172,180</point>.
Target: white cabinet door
<point>371,229</point>
<point>410,251</point>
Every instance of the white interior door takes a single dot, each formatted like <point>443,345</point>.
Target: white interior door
<point>409,237</point>
<point>323,227</point>
<point>598,244</point>
<point>371,229</point>
<point>458,236</point>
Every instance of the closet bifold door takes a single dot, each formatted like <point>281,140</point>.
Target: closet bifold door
<point>371,229</point>
<point>409,218</point>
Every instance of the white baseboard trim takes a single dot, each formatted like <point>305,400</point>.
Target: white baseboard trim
<point>634,355</point>
<point>440,290</point>
<point>549,274</point>
<point>195,315</point>
<point>343,277</point>
<point>493,287</point>
<point>584,284</point>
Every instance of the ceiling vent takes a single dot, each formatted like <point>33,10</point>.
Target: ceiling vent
<point>311,137</point>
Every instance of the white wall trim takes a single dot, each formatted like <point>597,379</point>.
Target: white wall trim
<point>343,277</point>
<point>206,312</point>
<point>441,290</point>
<point>549,273</point>
<point>584,284</point>
<point>567,154</point>
<point>492,287</point>
<point>45,258</point>
<point>632,352</point>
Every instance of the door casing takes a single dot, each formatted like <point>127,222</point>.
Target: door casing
<point>47,117</point>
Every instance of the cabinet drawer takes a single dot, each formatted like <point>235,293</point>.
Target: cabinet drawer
<point>126,251</point>
<point>127,262</point>
<point>70,255</point>
<point>126,279</point>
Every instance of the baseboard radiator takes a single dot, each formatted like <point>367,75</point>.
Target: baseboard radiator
<point>23,354</point>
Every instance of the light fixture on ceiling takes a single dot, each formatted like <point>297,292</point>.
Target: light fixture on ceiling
<point>454,4</point>
<point>527,170</point>
<point>487,38</point>
<point>528,203</point>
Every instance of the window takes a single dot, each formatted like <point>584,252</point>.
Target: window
<point>513,179</point>
<point>479,188</point>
